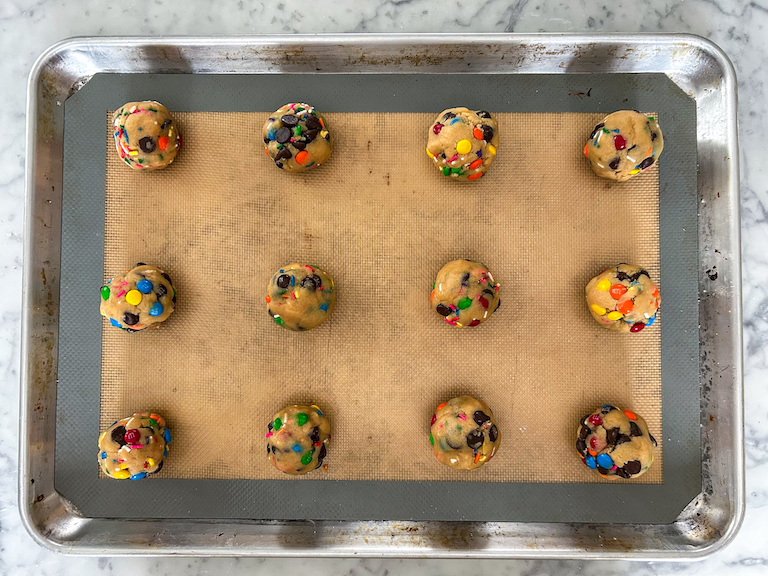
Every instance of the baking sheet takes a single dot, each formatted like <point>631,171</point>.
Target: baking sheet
<point>382,220</point>
<point>401,500</point>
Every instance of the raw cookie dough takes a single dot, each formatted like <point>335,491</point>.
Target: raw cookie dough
<point>463,143</point>
<point>300,297</point>
<point>464,433</point>
<point>625,143</point>
<point>465,293</point>
<point>134,447</point>
<point>139,299</point>
<point>623,298</point>
<point>297,138</point>
<point>145,136</point>
<point>615,442</point>
<point>296,439</point>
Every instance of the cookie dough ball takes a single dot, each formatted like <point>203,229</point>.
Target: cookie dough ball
<point>296,439</point>
<point>300,297</point>
<point>625,143</point>
<point>464,434</point>
<point>463,143</point>
<point>623,298</point>
<point>297,138</point>
<point>615,442</point>
<point>465,293</point>
<point>145,136</point>
<point>134,447</point>
<point>139,299</point>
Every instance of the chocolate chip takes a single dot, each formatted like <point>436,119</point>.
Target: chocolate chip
<point>311,134</point>
<point>289,120</point>
<point>611,435</point>
<point>487,132</point>
<point>475,439</point>
<point>314,436</point>
<point>130,319</point>
<point>284,280</point>
<point>147,144</point>
<point>161,291</point>
<point>118,435</point>
<point>283,135</point>
<point>283,154</point>
<point>327,136</point>
<point>323,453</point>
<point>309,283</point>
<point>614,164</point>
<point>584,432</point>
<point>449,115</point>
<point>602,470</point>
<point>480,417</point>
<point>443,310</point>
<point>279,165</point>
<point>167,278</point>
<point>653,136</point>
<point>299,145</point>
<point>483,114</point>
<point>498,305</point>
<point>622,439</point>
<point>174,300</point>
<point>622,473</point>
<point>646,163</point>
<point>140,264</point>
<point>652,439</point>
<point>167,122</point>
<point>270,425</point>
<point>581,446</point>
<point>465,277</point>
<point>313,123</point>
<point>634,429</point>
<point>493,433</point>
<point>632,467</point>
<point>596,130</point>
<point>318,280</point>
<point>266,140</point>
<point>268,449</point>
<point>159,467</point>
<point>607,408</point>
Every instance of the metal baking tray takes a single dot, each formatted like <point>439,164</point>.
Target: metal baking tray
<point>695,65</point>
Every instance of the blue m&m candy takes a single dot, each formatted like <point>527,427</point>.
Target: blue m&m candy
<point>651,320</point>
<point>590,461</point>
<point>139,476</point>
<point>144,286</point>
<point>115,323</point>
<point>604,461</point>
<point>156,309</point>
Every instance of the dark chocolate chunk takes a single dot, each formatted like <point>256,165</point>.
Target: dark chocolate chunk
<point>443,310</point>
<point>475,439</point>
<point>614,164</point>
<point>596,130</point>
<point>611,435</point>
<point>147,144</point>
<point>483,114</point>
<point>268,449</point>
<point>279,165</point>
<point>161,291</point>
<point>167,278</point>
<point>633,467</point>
<point>653,135</point>
<point>634,429</point>
<point>622,439</point>
<point>449,115</point>
<point>493,433</point>
<point>311,135</point>
<point>289,120</point>
<point>327,136</point>
<point>646,163</point>
<point>622,473</point>
<point>167,122</point>
<point>323,453</point>
<point>118,435</point>
<point>314,436</point>
<point>270,425</point>
<point>584,432</point>
<point>480,417</point>
<point>652,439</point>
<point>581,446</point>
<point>283,154</point>
<point>266,140</point>
<point>602,470</point>
<point>284,280</point>
<point>299,144</point>
<point>487,132</point>
<point>140,264</point>
<point>313,123</point>
<point>283,135</point>
<point>130,319</point>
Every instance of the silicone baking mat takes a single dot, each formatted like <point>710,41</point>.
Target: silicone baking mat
<point>381,220</point>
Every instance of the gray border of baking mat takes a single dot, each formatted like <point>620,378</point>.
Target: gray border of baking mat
<point>82,250</point>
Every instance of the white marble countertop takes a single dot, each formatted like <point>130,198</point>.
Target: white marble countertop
<point>740,27</point>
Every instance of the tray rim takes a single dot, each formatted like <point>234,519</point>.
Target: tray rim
<point>55,524</point>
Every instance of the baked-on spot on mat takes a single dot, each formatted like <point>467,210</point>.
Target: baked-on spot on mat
<point>382,221</point>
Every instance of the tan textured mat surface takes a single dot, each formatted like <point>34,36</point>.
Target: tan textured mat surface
<point>382,221</point>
